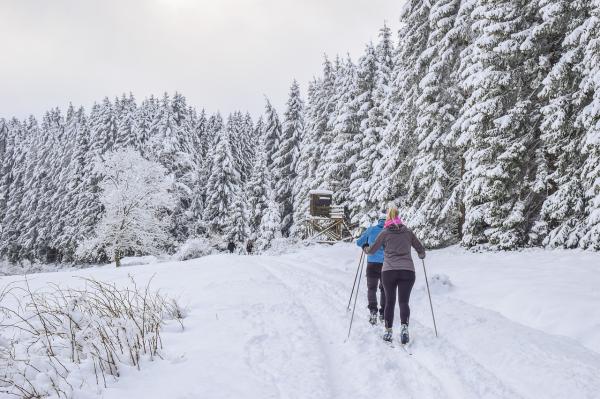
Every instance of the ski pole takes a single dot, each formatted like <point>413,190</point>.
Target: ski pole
<point>356,296</point>
<point>362,254</point>
<point>429,294</point>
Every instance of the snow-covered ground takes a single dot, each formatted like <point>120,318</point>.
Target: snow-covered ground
<point>512,325</point>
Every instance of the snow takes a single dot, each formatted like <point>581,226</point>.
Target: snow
<point>512,325</point>
<point>320,192</point>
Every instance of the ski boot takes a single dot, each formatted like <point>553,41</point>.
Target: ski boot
<point>387,336</point>
<point>373,318</point>
<point>404,338</point>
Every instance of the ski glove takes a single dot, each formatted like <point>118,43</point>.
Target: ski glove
<point>422,256</point>
<point>366,248</point>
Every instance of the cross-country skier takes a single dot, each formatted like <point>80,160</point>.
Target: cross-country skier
<point>398,272</point>
<point>374,265</point>
<point>231,247</point>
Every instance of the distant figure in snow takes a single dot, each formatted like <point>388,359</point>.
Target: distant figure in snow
<point>374,265</point>
<point>231,246</point>
<point>249,247</point>
<point>398,272</point>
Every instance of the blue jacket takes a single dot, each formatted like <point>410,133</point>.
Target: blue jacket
<point>368,237</point>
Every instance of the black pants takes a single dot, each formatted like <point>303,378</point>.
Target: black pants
<point>374,282</point>
<point>402,281</point>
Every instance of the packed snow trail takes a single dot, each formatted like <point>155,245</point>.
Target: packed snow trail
<point>276,326</point>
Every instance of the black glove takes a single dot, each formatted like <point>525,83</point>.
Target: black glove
<point>422,256</point>
<point>366,248</point>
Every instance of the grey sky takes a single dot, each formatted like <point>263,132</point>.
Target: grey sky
<point>221,54</point>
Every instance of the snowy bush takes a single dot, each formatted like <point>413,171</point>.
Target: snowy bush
<point>194,248</point>
<point>60,342</point>
<point>440,283</point>
<point>26,267</point>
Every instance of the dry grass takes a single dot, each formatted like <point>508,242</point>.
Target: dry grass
<point>53,341</point>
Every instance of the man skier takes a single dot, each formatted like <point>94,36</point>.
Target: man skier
<point>231,247</point>
<point>374,265</point>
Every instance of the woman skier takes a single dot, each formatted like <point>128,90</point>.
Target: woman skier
<point>398,272</point>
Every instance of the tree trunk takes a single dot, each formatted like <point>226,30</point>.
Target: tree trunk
<point>461,206</point>
<point>117,258</point>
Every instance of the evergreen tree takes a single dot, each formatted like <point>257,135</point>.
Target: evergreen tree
<point>256,190</point>
<point>305,165</point>
<point>391,170</point>
<point>286,157</point>
<point>496,128</point>
<point>270,223</point>
<point>366,141</point>
<point>589,119</point>
<point>222,187</point>
<point>431,211</point>
<point>271,131</point>
<point>170,144</point>
<point>560,160</point>
<point>343,153</point>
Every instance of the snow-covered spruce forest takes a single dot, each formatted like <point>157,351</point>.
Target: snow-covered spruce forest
<point>480,119</point>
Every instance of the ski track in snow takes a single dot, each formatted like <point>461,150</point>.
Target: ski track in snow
<point>275,328</point>
<point>442,376</point>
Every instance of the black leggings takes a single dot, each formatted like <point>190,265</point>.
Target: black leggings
<point>374,282</point>
<point>403,281</point>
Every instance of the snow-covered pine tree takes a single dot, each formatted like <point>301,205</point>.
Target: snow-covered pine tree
<point>142,123</point>
<point>321,114</point>
<point>137,202</point>
<point>367,139</point>
<point>62,197</point>
<point>222,187</point>
<point>26,226</point>
<point>270,223</point>
<point>13,191</point>
<point>248,141</point>
<point>304,167</point>
<point>103,126</point>
<point>589,119</point>
<point>170,144</point>
<point>344,123</point>
<point>431,211</point>
<point>559,158</point>
<point>498,127</point>
<point>86,207</point>
<point>286,157</point>
<point>314,143</point>
<point>126,123</point>
<point>65,198</point>
<point>398,142</point>
<point>272,131</point>
<point>378,117</point>
<point>199,137</point>
<point>237,224</point>
<point>256,189</point>
<point>50,189</point>
<point>214,126</point>
<point>240,128</point>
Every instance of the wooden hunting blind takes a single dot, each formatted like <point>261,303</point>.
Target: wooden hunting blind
<point>320,203</point>
<point>326,223</point>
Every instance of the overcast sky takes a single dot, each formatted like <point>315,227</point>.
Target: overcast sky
<point>221,54</point>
